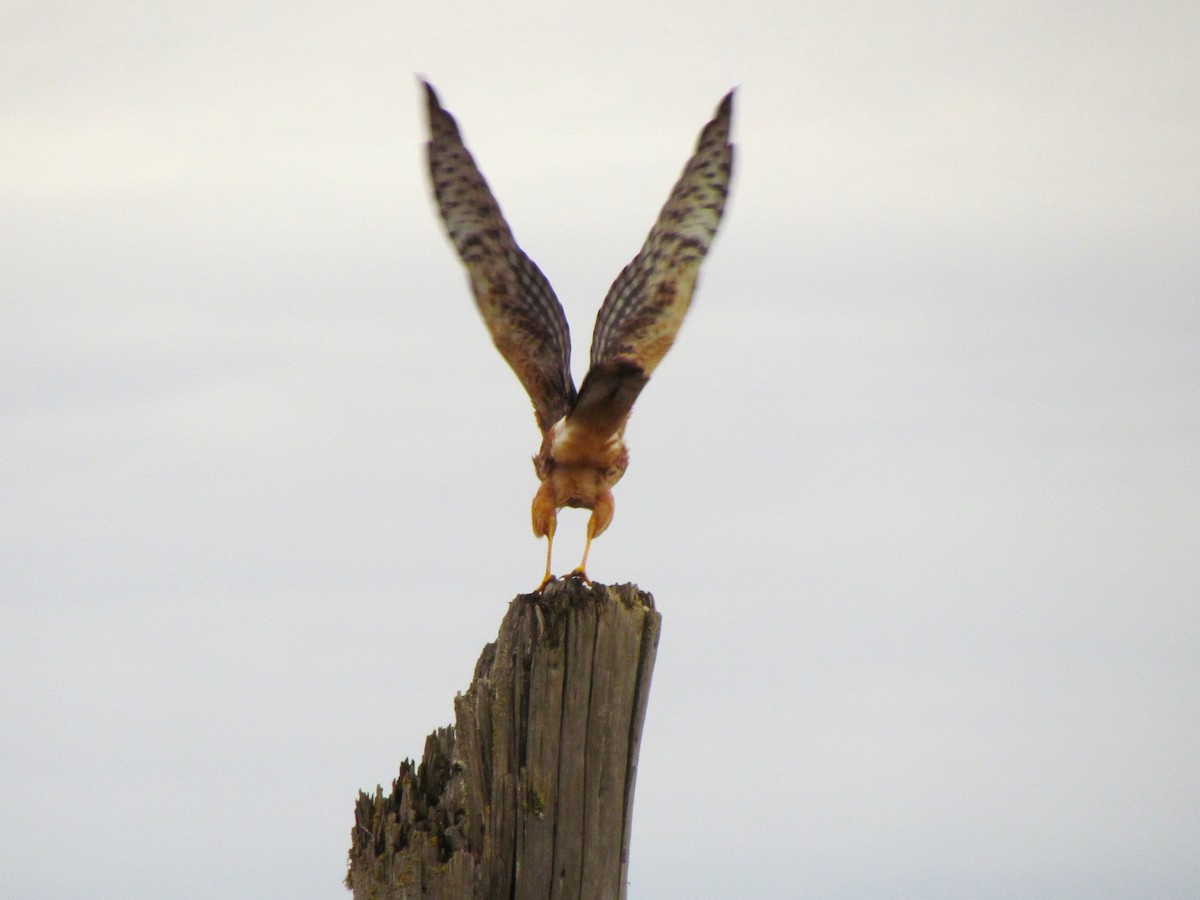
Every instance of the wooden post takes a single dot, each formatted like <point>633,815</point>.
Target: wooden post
<point>530,792</point>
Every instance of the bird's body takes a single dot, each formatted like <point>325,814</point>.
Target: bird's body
<point>583,452</point>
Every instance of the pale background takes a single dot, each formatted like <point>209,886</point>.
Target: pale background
<point>916,491</point>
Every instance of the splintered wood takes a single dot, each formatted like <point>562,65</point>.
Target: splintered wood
<point>530,792</point>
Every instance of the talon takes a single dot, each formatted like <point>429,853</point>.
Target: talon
<point>580,573</point>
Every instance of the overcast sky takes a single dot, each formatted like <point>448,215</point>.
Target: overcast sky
<point>916,491</point>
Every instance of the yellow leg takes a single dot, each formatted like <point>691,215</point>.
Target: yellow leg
<point>602,512</point>
<point>549,550</point>
<point>581,571</point>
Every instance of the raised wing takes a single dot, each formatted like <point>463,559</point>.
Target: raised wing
<point>518,305</point>
<point>645,306</point>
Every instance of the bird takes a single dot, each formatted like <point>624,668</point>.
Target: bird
<point>583,452</point>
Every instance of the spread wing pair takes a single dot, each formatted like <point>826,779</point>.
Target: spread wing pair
<point>644,308</point>
<point>582,452</point>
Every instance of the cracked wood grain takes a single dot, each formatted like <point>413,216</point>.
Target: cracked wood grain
<point>530,793</point>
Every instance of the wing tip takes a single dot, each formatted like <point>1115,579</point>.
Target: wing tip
<point>725,107</point>
<point>441,123</point>
<point>721,124</point>
<point>431,96</point>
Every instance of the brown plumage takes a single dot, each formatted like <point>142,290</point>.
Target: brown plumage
<point>583,451</point>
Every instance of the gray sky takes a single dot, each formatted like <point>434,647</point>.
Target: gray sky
<point>916,491</point>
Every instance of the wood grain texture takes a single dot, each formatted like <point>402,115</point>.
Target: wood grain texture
<point>530,793</point>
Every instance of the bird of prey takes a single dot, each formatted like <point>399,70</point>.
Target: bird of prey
<point>583,451</point>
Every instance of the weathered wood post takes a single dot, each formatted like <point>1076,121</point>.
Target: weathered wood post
<point>530,792</point>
